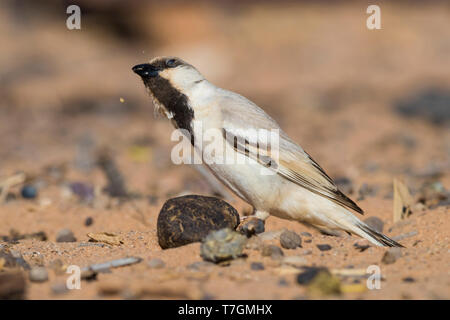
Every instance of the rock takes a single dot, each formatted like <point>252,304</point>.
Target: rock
<point>433,194</point>
<point>409,279</point>
<point>38,274</point>
<point>306,234</point>
<point>191,218</point>
<point>272,251</point>
<point>324,247</point>
<point>283,282</point>
<point>65,235</point>
<point>29,192</point>
<point>257,266</point>
<point>344,184</point>
<point>295,261</point>
<point>88,222</point>
<point>366,191</point>
<point>319,281</point>
<point>290,240</point>
<point>83,191</point>
<point>12,285</point>
<point>222,245</point>
<point>375,223</point>
<point>251,226</point>
<point>391,255</point>
<point>156,263</point>
<point>361,246</point>
<point>430,104</point>
<point>12,259</point>
<point>309,274</point>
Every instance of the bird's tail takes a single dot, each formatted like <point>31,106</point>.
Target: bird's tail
<point>352,224</point>
<point>374,236</point>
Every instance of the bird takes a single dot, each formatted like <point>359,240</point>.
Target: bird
<point>297,187</point>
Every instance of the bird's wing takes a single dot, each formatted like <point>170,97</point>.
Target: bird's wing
<point>244,126</point>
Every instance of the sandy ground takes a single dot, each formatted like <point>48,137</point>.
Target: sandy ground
<point>329,82</point>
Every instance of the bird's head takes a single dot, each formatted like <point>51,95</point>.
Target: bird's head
<point>163,72</point>
<point>169,81</point>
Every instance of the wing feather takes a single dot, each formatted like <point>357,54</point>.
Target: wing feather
<point>290,162</point>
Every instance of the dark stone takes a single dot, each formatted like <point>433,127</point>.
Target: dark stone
<point>324,247</point>
<point>307,276</point>
<point>366,191</point>
<point>375,223</point>
<point>409,279</point>
<point>344,184</point>
<point>88,222</point>
<point>29,192</point>
<point>83,191</point>
<point>191,218</point>
<point>290,240</point>
<point>391,255</point>
<point>222,245</point>
<point>251,226</point>
<point>65,235</point>
<point>13,259</point>
<point>306,234</point>
<point>431,104</point>
<point>283,282</point>
<point>361,247</point>
<point>257,266</point>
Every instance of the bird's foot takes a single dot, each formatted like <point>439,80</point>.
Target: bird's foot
<point>251,225</point>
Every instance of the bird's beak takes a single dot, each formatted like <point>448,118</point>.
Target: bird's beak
<point>145,70</point>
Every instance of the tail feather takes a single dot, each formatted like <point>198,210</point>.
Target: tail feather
<point>377,237</point>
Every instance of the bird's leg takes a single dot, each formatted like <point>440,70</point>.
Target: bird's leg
<point>253,224</point>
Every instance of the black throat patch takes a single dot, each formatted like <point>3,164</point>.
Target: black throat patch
<point>173,100</point>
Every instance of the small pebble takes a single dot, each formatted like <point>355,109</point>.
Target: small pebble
<point>65,235</point>
<point>324,247</point>
<point>272,251</point>
<point>295,261</point>
<point>156,263</point>
<point>88,222</point>
<point>222,245</point>
<point>257,266</point>
<point>391,255</point>
<point>375,223</point>
<point>29,192</point>
<point>344,184</point>
<point>409,279</point>
<point>306,234</point>
<point>59,288</point>
<point>290,240</point>
<point>38,274</point>
<point>361,247</point>
<point>309,274</point>
<point>283,282</point>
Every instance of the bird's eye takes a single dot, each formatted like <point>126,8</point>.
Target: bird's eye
<point>171,63</point>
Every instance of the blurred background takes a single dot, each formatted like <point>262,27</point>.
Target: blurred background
<point>366,104</point>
